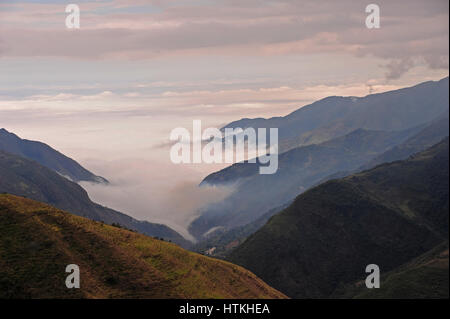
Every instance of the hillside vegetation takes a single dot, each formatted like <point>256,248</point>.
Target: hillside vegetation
<point>424,277</point>
<point>37,241</point>
<point>388,216</point>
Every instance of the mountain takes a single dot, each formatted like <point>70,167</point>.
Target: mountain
<point>312,148</point>
<point>46,156</point>
<point>334,116</point>
<point>426,137</point>
<point>298,169</point>
<point>23,177</point>
<point>38,241</point>
<point>222,241</point>
<point>430,135</point>
<point>424,277</point>
<point>323,241</point>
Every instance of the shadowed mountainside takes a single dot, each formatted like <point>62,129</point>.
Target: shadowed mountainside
<point>46,156</point>
<point>221,242</point>
<point>329,138</point>
<point>23,177</point>
<point>424,277</point>
<point>298,169</point>
<point>388,216</point>
<point>428,136</point>
<point>334,116</point>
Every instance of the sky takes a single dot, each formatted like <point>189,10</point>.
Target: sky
<point>109,94</point>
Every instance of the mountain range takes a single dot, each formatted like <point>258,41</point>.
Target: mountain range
<point>388,215</point>
<point>46,156</point>
<point>224,240</point>
<point>333,138</point>
<point>24,177</point>
<point>298,169</point>
<point>360,181</point>
<point>336,115</point>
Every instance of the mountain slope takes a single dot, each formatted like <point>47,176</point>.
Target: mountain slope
<point>22,177</point>
<point>387,215</point>
<point>221,242</point>
<point>298,169</point>
<point>37,242</point>
<point>335,116</point>
<point>426,276</point>
<point>430,135</point>
<point>425,138</point>
<point>46,156</point>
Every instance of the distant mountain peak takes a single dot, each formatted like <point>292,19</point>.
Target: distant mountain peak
<point>5,131</point>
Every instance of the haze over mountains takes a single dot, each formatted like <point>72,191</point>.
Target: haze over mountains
<point>427,137</point>
<point>351,190</point>
<point>335,115</point>
<point>23,177</point>
<point>320,245</point>
<point>37,241</point>
<point>336,135</point>
<point>226,240</point>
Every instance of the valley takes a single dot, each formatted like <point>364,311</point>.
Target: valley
<point>348,192</point>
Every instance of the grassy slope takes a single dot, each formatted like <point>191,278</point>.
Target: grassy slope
<point>37,241</point>
<point>323,241</point>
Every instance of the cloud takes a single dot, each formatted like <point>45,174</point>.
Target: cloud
<point>137,68</point>
<point>415,30</point>
<point>159,192</point>
<point>262,101</point>
<point>396,68</point>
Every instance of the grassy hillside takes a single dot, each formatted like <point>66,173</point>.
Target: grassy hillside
<point>324,240</point>
<point>22,177</point>
<point>37,241</point>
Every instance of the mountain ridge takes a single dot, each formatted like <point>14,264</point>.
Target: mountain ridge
<point>337,115</point>
<point>38,241</point>
<point>23,177</point>
<point>298,169</point>
<point>387,215</point>
<point>47,156</point>
<point>310,129</point>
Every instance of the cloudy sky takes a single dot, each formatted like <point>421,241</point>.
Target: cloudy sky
<point>110,92</point>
